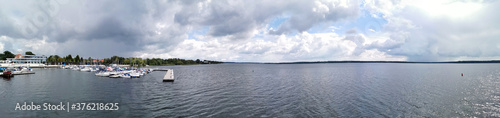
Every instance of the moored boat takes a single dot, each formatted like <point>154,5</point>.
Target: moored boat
<point>7,73</point>
<point>103,74</point>
<point>115,76</point>
<point>85,69</point>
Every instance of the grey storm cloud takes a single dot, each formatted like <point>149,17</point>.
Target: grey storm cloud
<point>113,29</point>
<point>240,18</point>
<point>305,18</point>
<point>135,23</point>
<point>6,27</point>
<point>132,23</point>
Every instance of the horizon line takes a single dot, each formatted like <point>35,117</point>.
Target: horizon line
<point>353,61</point>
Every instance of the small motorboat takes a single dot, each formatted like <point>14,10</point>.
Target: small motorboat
<point>7,74</point>
<point>134,75</point>
<point>126,75</point>
<point>27,71</point>
<point>102,74</point>
<point>85,69</point>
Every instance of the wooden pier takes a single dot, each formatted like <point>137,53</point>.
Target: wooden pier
<point>169,75</point>
<point>23,73</point>
<point>161,69</point>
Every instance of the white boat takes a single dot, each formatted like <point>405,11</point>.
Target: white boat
<point>103,74</point>
<point>21,71</point>
<point>142,73</point>
<point>75,68</point>
<point>93,69</point>
<point>114,73</point>
<point>134,75</point>
<point>115,76</point>
<point>27,71</point>
<point>85,69</point>
<point>16,72</point>
<point>125,75</point>
<point>150,70</point>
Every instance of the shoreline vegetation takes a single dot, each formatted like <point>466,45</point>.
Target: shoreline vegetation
<point>132,61</point>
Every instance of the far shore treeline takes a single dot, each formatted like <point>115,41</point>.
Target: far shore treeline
<point>133,61</point>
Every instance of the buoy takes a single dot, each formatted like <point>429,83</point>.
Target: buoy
<point>462,74</point>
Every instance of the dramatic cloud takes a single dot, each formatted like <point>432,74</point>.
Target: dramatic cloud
<point>442,30</point>
<point>257,30</point>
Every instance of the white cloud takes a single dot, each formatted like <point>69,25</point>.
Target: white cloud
<point>19,46</point>
<point>302,47</point>
<point>439,30</point>
<point>447,8</point>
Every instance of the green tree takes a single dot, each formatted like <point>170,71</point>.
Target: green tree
<point>107,61</point>
<point>52,59</point>
<point>69,58</point>
<point>77,59</point>
<point>48,60</point>
<point>179,62</point>
<point>29,53</point>
<point>126,61</point>
<point>90,60</point>
<point>115,59</point>
<point>143,62</point>
<point>57,59</point>
<point>7,54</point>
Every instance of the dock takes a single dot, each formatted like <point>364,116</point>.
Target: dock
<point>169,75</point>
<point>161,69</point>
<point>23,73</point>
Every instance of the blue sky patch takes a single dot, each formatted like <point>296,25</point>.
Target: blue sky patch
<point>202,31</point>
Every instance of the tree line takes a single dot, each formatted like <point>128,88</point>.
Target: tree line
<point>133,61</point>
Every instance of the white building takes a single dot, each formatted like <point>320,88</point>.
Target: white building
<point>28,59</point>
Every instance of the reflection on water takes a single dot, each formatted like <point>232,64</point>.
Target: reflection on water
<point>269,90</point>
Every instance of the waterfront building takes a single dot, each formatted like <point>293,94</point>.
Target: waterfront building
<point>28,59</point>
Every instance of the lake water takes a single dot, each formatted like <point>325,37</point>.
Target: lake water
<point>268,90</point>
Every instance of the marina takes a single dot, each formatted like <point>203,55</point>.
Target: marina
<point>11,71</point>
<point>114,71</point>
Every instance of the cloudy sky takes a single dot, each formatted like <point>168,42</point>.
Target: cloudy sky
<point>255,30</point>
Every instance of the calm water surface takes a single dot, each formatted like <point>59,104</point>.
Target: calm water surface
<point>269,90</point>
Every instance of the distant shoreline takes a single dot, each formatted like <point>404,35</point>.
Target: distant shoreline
<point>314,62</point>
